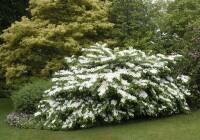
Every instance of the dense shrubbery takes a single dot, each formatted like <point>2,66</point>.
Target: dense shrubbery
<point>26,98</point>
<point>4,89</point>
<point>181,31</point>
<point>7,89</point>
<point>191,66</point>
<point>106,86</point>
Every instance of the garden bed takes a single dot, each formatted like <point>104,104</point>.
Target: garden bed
<point>179,127</point>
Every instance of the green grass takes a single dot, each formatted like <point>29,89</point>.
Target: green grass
<point>180,127</point>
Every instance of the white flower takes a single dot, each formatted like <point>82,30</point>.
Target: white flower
<point>102,89</point>
<point>69,59</point>
<point>159,64</point>
<point>53,121</point>
<point>37,114</point>
<point>123,100</point>
<point>169,78</point>
<point>106,119</point>
<point>126,95</point>
<point>110,76</point>
<point>138,59</point>
<point>154,71</point>
<point>161,55</point>
<point>187,108</point>
<point>164,99</point>
<point>143,94</point>
<point>131,65</point>
<point>184,78</point>
<point>115,113</point>
<point>113,102</point>
<point>54,79</point>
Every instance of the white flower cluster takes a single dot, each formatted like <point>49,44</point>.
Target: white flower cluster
<point>105,86</point>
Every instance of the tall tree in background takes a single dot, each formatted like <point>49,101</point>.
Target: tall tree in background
<point>133,23</point>
<point>180,19</point>
<point>12,10</point>
<point>182,31</point>
<point>57,29</point>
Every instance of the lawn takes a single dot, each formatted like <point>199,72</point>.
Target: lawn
<point>179,127</point>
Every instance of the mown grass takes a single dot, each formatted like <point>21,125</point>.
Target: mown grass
<point>179,127</point>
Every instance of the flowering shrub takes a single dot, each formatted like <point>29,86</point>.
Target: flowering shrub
<point>110,86</point>
<point>21,120</point>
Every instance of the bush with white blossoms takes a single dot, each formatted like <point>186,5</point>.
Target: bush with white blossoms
<point>111,86</point>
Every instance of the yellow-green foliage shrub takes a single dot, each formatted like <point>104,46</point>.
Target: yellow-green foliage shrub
<point>56,29</point>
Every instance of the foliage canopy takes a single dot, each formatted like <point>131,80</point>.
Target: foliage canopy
<point>57,28</point>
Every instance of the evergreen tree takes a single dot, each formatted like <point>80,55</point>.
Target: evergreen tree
<point>11,10</point>
<point>133,23</point>
<point>57,28</point>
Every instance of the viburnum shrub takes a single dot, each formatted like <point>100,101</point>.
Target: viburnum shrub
<point>110,86</point>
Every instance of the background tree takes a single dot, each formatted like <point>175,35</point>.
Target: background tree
<point>181,35</point>
<point>179,17</point>
<point>133,23</point>
<point>12,10</point>
<point>56,29</point>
